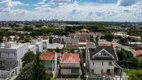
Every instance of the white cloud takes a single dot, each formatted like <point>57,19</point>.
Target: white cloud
<point>42,2</point>
<point>77,11</point>
<point>60,1</point>
<point>127,2</point>
<point>6,5</point>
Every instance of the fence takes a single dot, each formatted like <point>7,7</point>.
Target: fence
<point>6,74</point>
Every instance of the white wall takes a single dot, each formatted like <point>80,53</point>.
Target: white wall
<point>97,67</point>
<point>65,71</point>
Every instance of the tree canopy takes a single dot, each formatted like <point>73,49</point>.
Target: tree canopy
<point>28,57</point>
<point>34,70</point>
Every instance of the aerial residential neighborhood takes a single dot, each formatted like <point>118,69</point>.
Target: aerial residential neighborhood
<point>70,39</point>
<point>80,55</point>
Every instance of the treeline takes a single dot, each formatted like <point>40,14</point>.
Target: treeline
<point>47,31</point>
<point>135,32</point>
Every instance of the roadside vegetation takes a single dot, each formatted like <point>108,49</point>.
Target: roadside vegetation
<point>132,66</point>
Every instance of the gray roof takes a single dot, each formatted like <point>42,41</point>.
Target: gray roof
<point>65,40</point>
<point>55,45</point>
<point>110,49</point>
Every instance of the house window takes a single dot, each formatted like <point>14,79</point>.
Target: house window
<point>92,70</point>
<point>102,63</point>
<point>110,63</point>
<point>93,63</point>
<point>74,70</point>
<point>102,71</point>
<point>103,53</point>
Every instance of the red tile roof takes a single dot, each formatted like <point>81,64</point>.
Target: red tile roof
<point>70,58</point>
<point>48,56</point>
<point>108,43</point>
<point>138,52</point>
<point>72,46</point>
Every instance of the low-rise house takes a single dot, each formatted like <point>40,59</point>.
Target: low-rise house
<point>107,43</point>
<point>41,44</point>
<point>122,34</point>
<point>135,44</point>
<point>101,60</point>
<point>72,47</point>
<point>65,40</point>
<point>137,52</point>
<point>135,37</point>
<point>54,46</point>
<point>70,66</point>
<point>83,36</point>
<point>49,58</point>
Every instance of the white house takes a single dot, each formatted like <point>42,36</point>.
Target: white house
<point>11,54</point>
<point>101,60</point>
<point>41,44</point>
<point>10,58</point>
<point>54,46</point>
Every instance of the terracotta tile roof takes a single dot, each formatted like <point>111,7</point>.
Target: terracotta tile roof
<point>108,43</point>
<point>138,52</point>
<point>70,58</point>
<point>48,56</point>
<point>72,46</point>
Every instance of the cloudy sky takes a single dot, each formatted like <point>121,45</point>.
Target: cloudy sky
<point>74,10</point>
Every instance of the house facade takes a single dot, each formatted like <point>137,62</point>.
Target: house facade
<point>11,54</point>
<point>49,59</point>
<point>70,66</point>
<point>101,60</point>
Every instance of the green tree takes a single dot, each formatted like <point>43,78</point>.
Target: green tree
<point>140,64</point>
<point>57,49</point>
<point>108,37</point>
<point>28,57</point>
<point>34,70</point>
<point>123,41</point>
<point>96,40</point>
<point>39,71</point>
<point>91,38</point>
<point>134,74</point>
<point>26,72</point>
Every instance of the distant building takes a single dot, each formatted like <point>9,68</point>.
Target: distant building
<point>135,37</point>
<point>54,46</point>
<point>72,47</point>
<point>83,36</point>
<point>135,44</point>
<point>137,52</point>
<point>122,34</point>
<point>65,40</point>
<point>107,43</point>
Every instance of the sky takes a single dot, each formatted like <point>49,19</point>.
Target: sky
<point>71,10</point>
